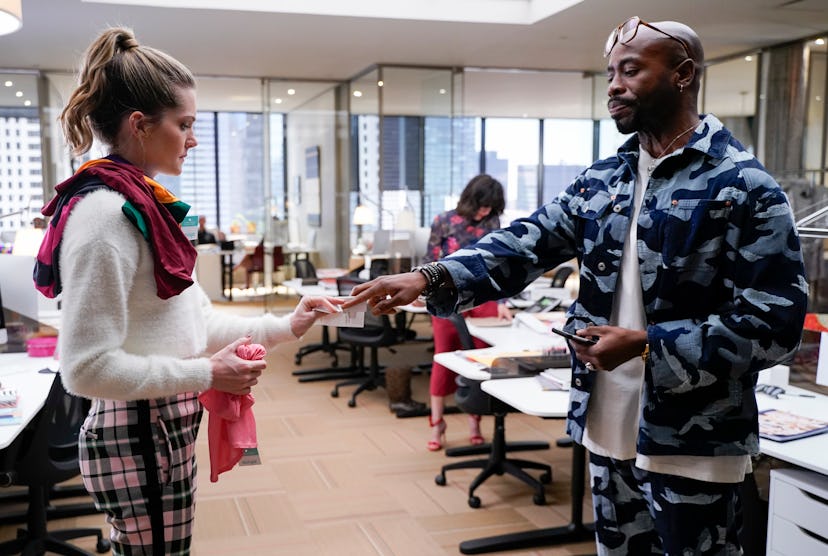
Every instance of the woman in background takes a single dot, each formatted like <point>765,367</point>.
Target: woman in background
<point>478,212</point>
<point>136,327</point>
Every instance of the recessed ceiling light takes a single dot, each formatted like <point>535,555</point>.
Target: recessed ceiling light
<point>442,91</point>
<point>18,94</point>
<point>9,83</point>
<point>291,91</point>
<point>277,100</point>
<point>27,103</point>
<point>819,42</point>
<point>748,58</point>
<point>357,93</point>
<point>380,83</point>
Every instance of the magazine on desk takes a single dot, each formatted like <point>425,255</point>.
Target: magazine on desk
<point>783,426</point>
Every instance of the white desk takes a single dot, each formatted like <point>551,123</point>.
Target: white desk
<point>810,453</point>
<point>525,395</point>
<point>18,370</point>
<point>515,336</point>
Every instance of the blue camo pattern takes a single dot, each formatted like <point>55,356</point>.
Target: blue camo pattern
<point>722,274</point>
<point>638,512</point>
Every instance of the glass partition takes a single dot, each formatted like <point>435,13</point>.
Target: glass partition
<point>567,151</point>
<point>730,94</point>
<point>816,148</point>
<point>512,148</point>
<point>21,180</point>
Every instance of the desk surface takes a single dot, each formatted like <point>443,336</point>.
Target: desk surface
<point>516,336</point>
<point>810,453</point>
<point>526,395</point>
<point>18,370</point>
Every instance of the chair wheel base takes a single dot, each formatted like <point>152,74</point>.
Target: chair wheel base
<point>440,480</point>
<point>334,393</point>
<point>351,403</point>
<point>474,502</point>
<point>103,546</point>
<point>539,500</point>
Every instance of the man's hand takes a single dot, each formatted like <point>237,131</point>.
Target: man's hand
<point>615,346</point>
<point>386,292</point>
<point>233,374</point>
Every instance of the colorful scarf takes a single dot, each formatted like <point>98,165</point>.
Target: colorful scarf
<point>155,211</point>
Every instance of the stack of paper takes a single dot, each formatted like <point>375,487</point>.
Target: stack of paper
<point>555,379</point>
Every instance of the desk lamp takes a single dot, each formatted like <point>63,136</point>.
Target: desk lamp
<point>363,216</point>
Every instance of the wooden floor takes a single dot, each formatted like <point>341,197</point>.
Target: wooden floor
<point>359,481</point>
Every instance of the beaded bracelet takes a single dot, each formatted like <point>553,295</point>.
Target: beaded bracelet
<point>435,275</point>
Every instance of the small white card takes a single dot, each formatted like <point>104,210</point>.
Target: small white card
<point>350,318</point>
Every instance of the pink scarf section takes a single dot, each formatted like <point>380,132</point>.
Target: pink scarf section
<point>231,427</point>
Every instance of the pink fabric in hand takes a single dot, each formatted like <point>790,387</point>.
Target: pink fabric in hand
<point>232,426</point>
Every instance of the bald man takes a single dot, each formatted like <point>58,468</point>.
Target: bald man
<point>691,280</point>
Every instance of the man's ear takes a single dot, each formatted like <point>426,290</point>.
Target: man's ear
<point>685,73</point>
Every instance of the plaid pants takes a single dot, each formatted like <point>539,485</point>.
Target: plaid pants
<point>138,463</point>
<point>638,512</point>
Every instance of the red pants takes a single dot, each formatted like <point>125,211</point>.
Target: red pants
<point>446,339</point>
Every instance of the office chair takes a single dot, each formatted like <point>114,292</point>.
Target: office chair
<point>257,261</point>
<point>46,453</point>
<point>560,276</point>
<point>305,270</point>
<point>378,332</point>
<point>471,399</point>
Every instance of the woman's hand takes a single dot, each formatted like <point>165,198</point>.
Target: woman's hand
<point>503,312</point>
<point>233,374</point>
<point>311,308</point>
<point>386,292</point>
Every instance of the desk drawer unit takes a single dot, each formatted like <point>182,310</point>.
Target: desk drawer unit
<point>798,513</point>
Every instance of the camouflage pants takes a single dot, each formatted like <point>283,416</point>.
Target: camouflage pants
<point>638,512</point>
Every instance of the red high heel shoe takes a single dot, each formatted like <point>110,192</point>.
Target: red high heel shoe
<point>476,439</point>
<point>434,445</point>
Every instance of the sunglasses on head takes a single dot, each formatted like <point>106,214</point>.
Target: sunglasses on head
<point>626,32</point>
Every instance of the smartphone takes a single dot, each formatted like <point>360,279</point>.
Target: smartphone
<point>573,337</point>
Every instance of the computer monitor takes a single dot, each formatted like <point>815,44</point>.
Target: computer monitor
<point>382,242</point>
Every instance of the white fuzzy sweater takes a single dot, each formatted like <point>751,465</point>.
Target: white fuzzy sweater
<point>118,339</point>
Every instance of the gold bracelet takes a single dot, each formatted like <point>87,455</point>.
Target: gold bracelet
<point>646,353</point>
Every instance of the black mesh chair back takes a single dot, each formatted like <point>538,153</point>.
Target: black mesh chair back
<point>45,454</point>
<point>559,279</point>
<point>304,268</point>
<point>471,398</point>
<point>378,332</point>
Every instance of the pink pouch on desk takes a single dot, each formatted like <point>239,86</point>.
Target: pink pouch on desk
<point>232,426</point>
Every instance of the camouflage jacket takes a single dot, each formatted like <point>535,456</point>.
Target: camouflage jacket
<point>722,276</point>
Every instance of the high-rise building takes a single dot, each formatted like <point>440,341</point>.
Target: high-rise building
<point>21,180</point>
